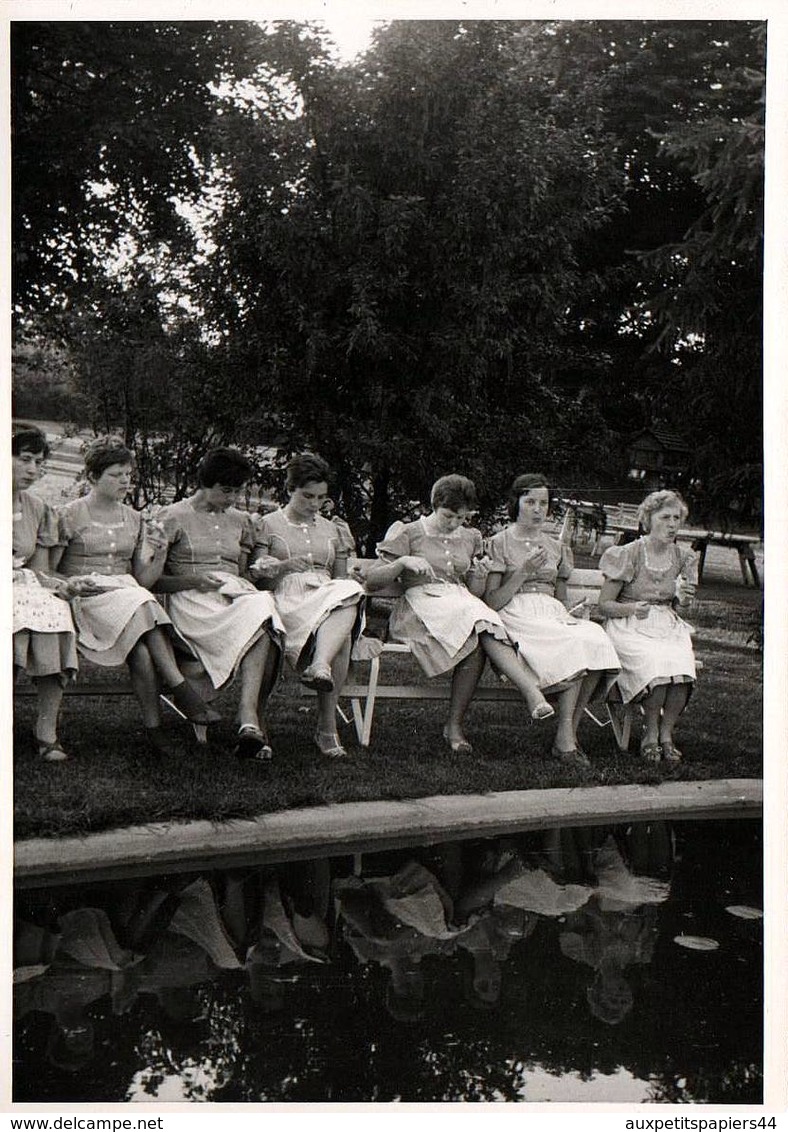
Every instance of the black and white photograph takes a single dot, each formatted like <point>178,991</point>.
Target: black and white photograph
<point>416,375</point>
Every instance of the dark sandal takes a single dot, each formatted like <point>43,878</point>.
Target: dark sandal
<point>573,758</point>
<point>670,753</point>
<point>651,752</point>
<point>157,741</point>
<point>252,744</point>
<point>189,703</point>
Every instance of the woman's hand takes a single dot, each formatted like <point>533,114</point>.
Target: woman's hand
<point>81,586</point>
<point>207,583</point>
<point>156,536</point>
<point>480,567</point>
<point>685,591</point>
<point>533,562</point>
<point>641,610</point>
<point>417,565</point>
<point>271,568</point>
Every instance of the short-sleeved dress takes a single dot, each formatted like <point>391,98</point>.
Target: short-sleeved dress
<point>656,649</point>
<point>304,599</point>
<point>442,620</point>
<point>558,647</point>
<point>219,626</point>
<point>44,635</point>
<point>110,623</point>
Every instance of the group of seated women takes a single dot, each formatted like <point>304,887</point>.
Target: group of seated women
<point>205,594</point>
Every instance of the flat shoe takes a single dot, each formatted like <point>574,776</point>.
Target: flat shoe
<point>543,711</point>
<point>320,679</point>
<point>252,744</point>
<point>651,752</point>
<point>157,741</point>
<point>51,752</point>
<point>573,758</point>
<point>458,746</point>
<point>187,701</point>
<point>329,745</point>
<point>670,753</point>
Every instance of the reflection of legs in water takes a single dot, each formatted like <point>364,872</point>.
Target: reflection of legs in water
<point>405,992</point>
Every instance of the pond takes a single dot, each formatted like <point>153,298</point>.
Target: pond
<point>616,964</point>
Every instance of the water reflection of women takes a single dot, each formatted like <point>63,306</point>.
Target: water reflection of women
<point>440,564</point>
<point>302,557</point>
<point>44,639</point>
<point>618,927</point>
<point>643,581</point>
<point>396,921</point>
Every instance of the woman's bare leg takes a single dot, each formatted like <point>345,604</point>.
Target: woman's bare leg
<point>327,701</point>
<point>144,683</point>
<point>507,660</point>
<point>49,696</point>
<point>676,697</point>
<point>333,634</point>
<point>252,671</point>
<point>464,680</point>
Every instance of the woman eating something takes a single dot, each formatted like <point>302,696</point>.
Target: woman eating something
<point>527,585</point>
<point>439,562</point>
<point>303,558</point>
<point>228,625</point>
<point>108,555</point>
<point>644,580</point>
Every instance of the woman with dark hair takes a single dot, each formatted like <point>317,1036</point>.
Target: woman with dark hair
<point>44,638</point>
<point>644,580</point>
<point>230,626</point>
<point>303,557</point>
<point>108,555</point>
<point>527,585</point>
<point>439,562</point>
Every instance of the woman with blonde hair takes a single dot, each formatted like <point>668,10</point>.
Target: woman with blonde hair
<point>645,581</point>
<point>441,566</point>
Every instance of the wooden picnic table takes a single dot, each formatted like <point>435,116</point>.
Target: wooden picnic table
<point>623,517</point>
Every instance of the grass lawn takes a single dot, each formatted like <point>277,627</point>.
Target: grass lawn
<point>112,780</point>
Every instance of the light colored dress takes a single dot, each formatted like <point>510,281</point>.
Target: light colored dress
<point>44,635</point>
<point>558,647</point>
<point>656,649</point>
<point>442,620</point>
<point>304,599</point>
<point>219,626</point>
<point>110,623</point>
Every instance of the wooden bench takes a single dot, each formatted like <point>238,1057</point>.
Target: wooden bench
<point>582,586</point>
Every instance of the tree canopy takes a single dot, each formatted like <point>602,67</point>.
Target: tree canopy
<point>483,246</point>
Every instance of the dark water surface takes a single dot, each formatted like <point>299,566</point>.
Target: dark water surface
<point>536,968</point>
